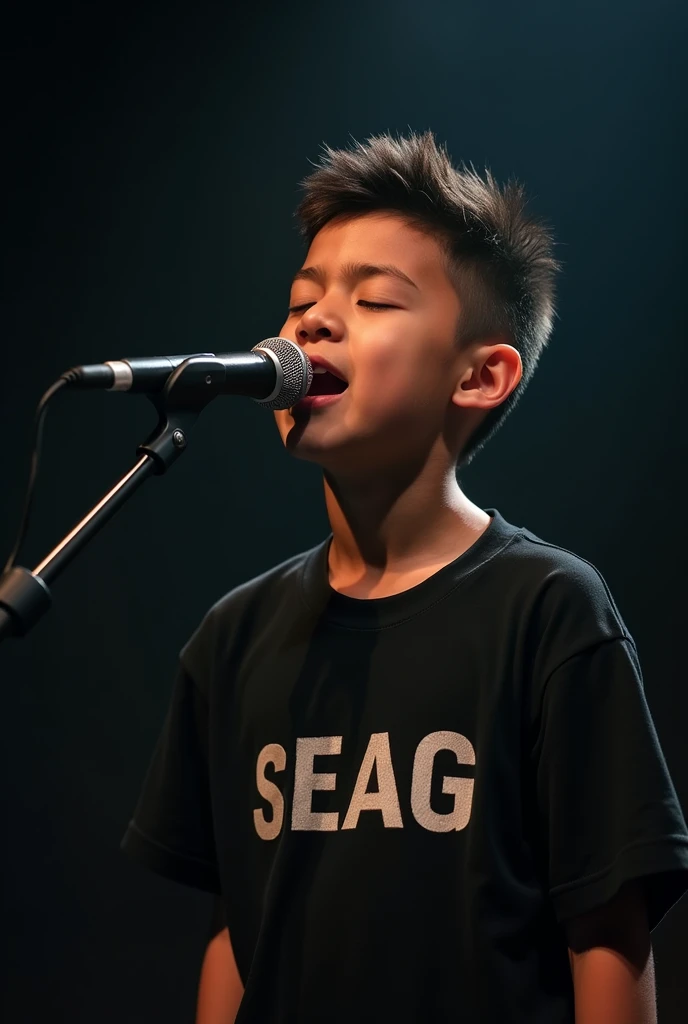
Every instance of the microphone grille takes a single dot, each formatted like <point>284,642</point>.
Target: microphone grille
<point>296,373</point>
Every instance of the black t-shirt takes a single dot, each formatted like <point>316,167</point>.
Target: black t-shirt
<point>401,800</point>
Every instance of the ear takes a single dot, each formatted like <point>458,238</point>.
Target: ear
<point>492,373</point>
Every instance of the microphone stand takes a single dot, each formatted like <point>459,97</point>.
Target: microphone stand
<point>24,593</point>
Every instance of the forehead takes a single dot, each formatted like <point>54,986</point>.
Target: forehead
<point>379,238</point>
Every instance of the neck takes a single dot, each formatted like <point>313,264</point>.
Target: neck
<point>398,521</point>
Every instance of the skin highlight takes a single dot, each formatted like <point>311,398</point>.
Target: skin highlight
<point>389,446</point>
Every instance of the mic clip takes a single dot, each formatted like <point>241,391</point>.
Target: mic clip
<point>190,387</point>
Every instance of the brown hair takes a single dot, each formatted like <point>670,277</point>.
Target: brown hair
<point>500,259</point>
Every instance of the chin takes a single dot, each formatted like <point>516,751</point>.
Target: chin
<point>298,443</point>
<point>302,448</point>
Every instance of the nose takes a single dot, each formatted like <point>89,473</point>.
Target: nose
<point>304,334</point>
<point>317,323</point>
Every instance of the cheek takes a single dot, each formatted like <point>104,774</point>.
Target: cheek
<point>398,376</point>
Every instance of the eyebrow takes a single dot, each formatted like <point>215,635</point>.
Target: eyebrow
<point>354,272</point>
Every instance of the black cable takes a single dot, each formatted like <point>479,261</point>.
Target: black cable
<point>41,409</point>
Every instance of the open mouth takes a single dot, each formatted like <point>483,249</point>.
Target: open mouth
<point>326,384</point>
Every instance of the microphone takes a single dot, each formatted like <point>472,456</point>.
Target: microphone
<point>276,373</point>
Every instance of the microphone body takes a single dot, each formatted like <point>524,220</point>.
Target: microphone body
<point>276,373</point>
<point>146,374</point>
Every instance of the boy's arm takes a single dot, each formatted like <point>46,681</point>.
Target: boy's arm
<point>611,961</point>
<point>220,988</point>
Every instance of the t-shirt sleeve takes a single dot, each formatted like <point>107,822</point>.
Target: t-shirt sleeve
<point>606,805</point>
<point>171,831</point>
<point>218,918</point>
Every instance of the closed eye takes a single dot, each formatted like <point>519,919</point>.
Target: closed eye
<point>361,302</point>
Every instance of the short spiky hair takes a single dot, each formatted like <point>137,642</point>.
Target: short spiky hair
<point>500,259</point>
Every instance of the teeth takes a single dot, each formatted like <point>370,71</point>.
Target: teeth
<point>319,369</point>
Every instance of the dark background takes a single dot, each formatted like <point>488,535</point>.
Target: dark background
<point>152,156</point>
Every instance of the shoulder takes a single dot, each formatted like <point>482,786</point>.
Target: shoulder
<point>281,579</point>
<point>239,613</point>
<point>561,600</point>
<point>540,570</point>
<point>561,574</point>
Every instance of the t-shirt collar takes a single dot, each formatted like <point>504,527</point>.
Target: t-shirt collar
<point>379,612</point>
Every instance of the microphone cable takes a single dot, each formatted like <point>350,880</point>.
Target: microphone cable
<point>39,420</point>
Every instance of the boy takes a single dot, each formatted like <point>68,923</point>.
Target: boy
<point>416,762</point>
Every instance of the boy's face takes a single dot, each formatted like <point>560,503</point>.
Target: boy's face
<point>401,362</point>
